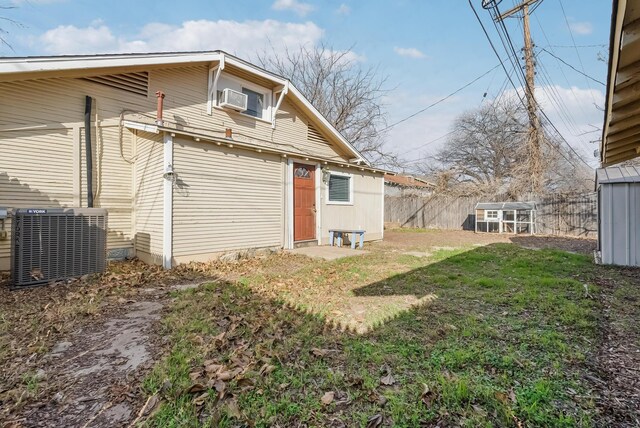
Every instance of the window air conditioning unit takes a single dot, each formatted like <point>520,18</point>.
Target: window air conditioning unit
<point>50,244</point>
<point>233,100</point>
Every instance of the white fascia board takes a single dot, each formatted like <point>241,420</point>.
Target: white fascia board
<point>60,63</point>
<point>326,124</point>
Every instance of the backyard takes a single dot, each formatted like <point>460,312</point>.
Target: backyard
<point>427,328</point>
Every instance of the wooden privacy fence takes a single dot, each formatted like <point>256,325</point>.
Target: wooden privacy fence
<point>556,215</point>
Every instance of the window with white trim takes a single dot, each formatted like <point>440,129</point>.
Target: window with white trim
<point>340,188</point>
<point>258,98</point>
<point>492,214</point>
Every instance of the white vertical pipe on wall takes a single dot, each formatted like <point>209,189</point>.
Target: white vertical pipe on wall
<point>167,219</point>
<point>289,203</point>
<point>318,185</point>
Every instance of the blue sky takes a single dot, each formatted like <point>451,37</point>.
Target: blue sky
<point>426,48</point>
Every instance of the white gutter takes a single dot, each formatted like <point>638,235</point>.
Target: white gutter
<point>140,126</point>
<point>60,63</point>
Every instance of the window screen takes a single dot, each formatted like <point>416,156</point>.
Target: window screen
<point>255,103</point>
<point>339,188</point>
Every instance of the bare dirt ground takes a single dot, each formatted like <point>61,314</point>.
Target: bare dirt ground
<point>406,239</point>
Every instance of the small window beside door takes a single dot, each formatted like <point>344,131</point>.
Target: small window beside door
<point>340,189</point>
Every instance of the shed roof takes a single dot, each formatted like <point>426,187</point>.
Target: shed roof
<point>506,206</point>
<point>618,174</point>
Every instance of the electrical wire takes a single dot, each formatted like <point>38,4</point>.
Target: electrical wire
<point>572,67</point>
<point>517,92</point>
<point>573,41</point>
<point>440,100</point>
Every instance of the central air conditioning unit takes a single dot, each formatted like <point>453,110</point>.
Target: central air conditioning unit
<point>233,100</point>
<point>51,244</point>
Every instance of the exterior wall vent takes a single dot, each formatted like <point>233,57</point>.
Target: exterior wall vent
<point>314,135</point>
<point>58,243</point>
<point>135,83</point>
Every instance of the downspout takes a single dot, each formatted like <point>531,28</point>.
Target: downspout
<point>87,144</point>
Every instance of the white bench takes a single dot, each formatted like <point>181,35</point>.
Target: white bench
<point>339,233</point>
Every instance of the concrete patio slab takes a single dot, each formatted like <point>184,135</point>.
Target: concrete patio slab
<point>327,253</point>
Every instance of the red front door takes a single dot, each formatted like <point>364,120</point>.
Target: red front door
<point>304,202</point>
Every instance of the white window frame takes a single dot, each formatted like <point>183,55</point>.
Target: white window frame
<point>488,218</point>
<point>266,94</point>
<point>341,174</point>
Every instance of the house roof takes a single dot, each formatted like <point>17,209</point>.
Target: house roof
<point>621,130</point>
<point>506,206</point>
<point>618,174</point>
<point>20,68</point>
<point>407,181</point>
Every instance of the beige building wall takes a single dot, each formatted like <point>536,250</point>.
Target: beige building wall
<point>366,211</point>
<point>224,200</point>
<point>43,162</point>
<point>148,197</point>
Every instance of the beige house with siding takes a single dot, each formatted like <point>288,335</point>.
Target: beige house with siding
<point>226,157</point>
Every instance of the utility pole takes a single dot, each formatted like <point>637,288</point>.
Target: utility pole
<point>535,133</point>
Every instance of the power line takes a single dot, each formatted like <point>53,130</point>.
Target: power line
<point>573,41</point>
<point>569,85</point>
<point>516,89</point>
<point>496,52</point>
<point>577,46</point>
<point>573,68</point>
<point>440,100</point>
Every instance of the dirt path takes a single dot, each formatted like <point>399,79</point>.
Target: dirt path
<point>99,368</point>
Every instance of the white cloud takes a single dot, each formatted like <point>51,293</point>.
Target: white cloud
<point>239,38</point>
<point>581,28</point>
<point>409,52</point>
<point>343,10</point>
<point>296,6</point>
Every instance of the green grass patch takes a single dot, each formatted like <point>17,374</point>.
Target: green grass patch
<point>502,342</point>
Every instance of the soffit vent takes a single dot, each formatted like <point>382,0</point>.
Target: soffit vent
<point>135,83</point>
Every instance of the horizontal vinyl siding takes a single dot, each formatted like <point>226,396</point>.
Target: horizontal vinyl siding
<point>45,108</point>
<point>225,200</point>
<point>293,130</point>
<point>112,175</point>
<point>35,171</point>
<point>365,212</point>
<point>149,197</point>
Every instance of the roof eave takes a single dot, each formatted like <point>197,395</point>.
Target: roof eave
<point>29,65</point>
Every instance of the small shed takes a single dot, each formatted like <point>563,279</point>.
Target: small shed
<point>619,215</point>
<point>506,217</point>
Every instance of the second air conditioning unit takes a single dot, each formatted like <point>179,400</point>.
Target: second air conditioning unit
<point>233,100</point>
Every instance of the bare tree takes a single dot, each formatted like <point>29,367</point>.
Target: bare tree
<point>346,93</point>
<point>483,153</point>
<point>487,154</point>
<point>4,21</point>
